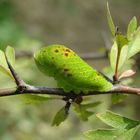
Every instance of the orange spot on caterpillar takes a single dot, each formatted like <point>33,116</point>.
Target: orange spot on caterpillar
<point>66,54</point>
<point>67,50</point>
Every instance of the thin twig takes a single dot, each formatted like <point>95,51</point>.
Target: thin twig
<point>115,77</point>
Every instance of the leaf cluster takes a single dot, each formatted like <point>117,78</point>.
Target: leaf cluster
<point>122,128</point>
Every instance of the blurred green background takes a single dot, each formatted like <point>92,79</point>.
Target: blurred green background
<point>79,24</point>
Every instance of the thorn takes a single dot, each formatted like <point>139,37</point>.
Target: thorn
<point>20,83</point>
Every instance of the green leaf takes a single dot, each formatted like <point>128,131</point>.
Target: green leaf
<point>34,99</point>
<point>82,110</point>
<point>82,113</point>
<point>117,121</point>
<point>3,65</point>
<point>121,41</point>
<point>119,52</point>
<point>111,134</point>
<point>3,60</point>
<point>117,98</point>
<point>90,105</point>
<point>113,56</point>
<point>110,21</point>
<point>6,71</point>
<point>131,28</point>
<point>125,128</point>
<point>10,53</point>
<point>101,134</point>
<point>134,44</point>
<point>128,135</point>
<point>59,117</point>
<point>123,56</point>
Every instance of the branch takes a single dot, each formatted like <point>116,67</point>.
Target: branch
<point>23,88</point>
<point>29,89</point>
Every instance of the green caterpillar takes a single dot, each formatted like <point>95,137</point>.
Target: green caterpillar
<point>70,71</point>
